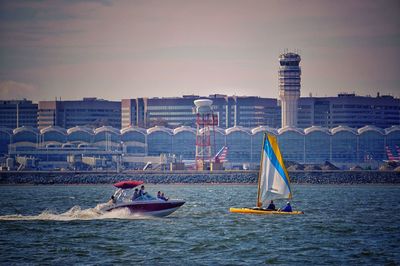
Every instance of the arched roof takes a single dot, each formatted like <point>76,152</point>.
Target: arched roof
<point>290,129</point>
<point>264,129</point>
<point>69,144</point>
<point>133,129</point>
<point>184,129</point>
<point>84,145</point>
<point>217,129</point>
<point>106,129</point>
<point>80,128</point>
<point>341,128</point>
<point>159,128</point>
<point>370,128</point>
<point>53,143</point>
<point>25,128</point>
<point>53,128</point>
<point>312,129</point>
<point>392,129</point>
<point>7,130</point>
<point>236,129</point>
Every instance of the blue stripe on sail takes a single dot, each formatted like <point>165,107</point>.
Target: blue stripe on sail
<point>274,160</point>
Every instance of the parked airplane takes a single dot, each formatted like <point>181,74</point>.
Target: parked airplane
<point>220,157</point>
<point>390,156</point>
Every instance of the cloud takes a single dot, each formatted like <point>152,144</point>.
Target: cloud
<point>79,48</point>
<point>10,89</point>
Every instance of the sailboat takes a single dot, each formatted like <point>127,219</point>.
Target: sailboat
<point>273,180</point>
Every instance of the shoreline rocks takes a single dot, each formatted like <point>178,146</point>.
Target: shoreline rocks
<point>297,177</point>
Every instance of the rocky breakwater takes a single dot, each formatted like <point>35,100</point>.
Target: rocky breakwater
<point>307,177</point>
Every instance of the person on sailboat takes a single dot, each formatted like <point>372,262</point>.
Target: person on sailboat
<point>287,208</point>
<point>271,206</point>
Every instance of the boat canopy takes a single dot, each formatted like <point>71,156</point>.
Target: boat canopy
<point>128,184</point>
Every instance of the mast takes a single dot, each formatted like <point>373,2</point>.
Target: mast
<point>259,172</point>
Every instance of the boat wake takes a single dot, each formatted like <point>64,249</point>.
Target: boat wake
<point>76,213</point>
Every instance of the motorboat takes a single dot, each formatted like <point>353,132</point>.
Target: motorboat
<point>146,204</point>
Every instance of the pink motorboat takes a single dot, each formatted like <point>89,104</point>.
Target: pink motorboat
<point>143,204</point>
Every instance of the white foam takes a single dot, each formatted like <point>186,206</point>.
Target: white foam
<point>76,213</point>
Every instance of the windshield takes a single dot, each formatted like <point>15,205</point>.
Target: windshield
<point>127,194</point>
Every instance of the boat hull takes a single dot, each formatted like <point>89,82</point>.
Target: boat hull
<point>155,208</point>
<point>262,212</point>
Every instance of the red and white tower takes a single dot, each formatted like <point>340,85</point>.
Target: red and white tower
<point>205,118</point>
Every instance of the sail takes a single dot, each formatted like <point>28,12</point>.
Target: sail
<point>274,182</point>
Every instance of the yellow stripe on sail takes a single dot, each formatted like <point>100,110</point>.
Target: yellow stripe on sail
<point>274,145</point>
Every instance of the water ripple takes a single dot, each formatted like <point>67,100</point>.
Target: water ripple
<point>339,227</point>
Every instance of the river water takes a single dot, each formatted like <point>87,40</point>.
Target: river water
<point>342,224</point>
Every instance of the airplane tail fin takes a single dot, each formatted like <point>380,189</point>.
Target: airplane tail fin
<point>221,155</point>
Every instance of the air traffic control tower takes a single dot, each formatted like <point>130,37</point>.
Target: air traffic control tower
<point>289,87</point>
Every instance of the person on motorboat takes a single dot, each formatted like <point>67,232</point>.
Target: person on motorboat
<point>163,197</point>
<point>141,191</point>
<point>135,194</point>
<point>112,200</point>
<point>271,206</point>
<point>287,208</point>
<point>158,194</point>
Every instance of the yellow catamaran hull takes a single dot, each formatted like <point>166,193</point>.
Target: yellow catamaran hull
<point>253,211</point>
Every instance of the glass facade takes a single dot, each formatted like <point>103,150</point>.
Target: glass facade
<point>317,146</point>
<point>350,110</point>
<point>184,144</point>
<point>107,138</point>
<point>5,140</point>
<point>371,145</point>
<point>80,135</point>
<point>344,145</point>
<point>25,139</point>
<point>393,141</point>
<point>18,113</point>
<point>134,141</point>
<point>87,112</point>
<point>23,134</point>
<point>238,141</point>
<point>291,144</point>
<point>217,140</point>
<point>53,135</point>
<point>312,145</point>
<point>159,141</point>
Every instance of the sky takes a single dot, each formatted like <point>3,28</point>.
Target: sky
<point>127,49</point>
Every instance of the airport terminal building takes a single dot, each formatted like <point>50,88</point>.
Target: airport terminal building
<point>340,145</point>
<point>347,129</point>
<point>344,130</point>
